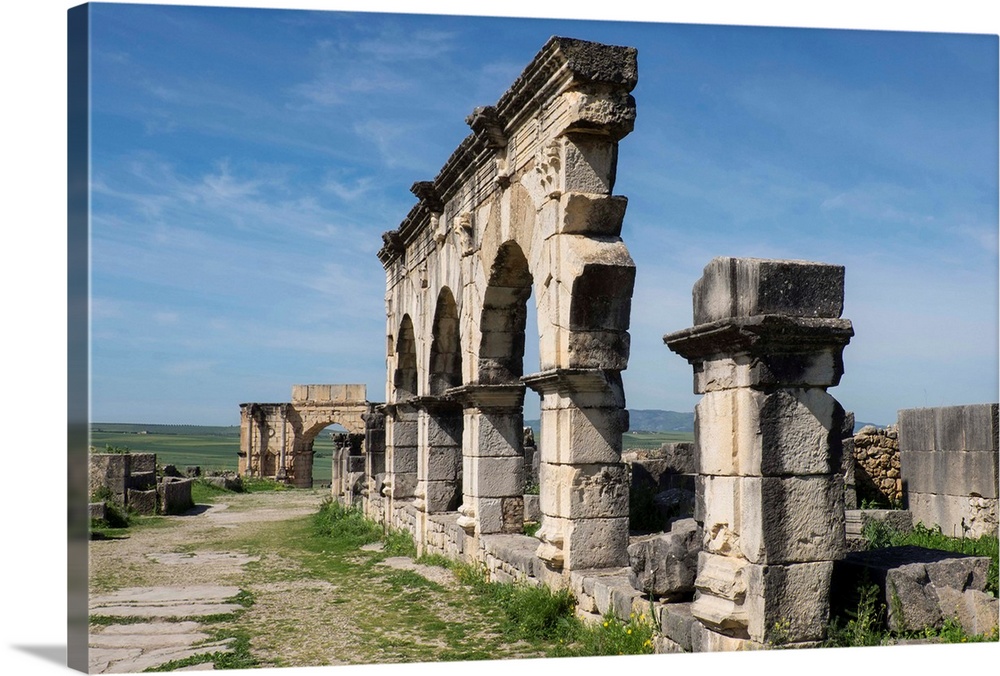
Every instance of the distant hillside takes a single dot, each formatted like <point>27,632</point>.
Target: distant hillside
<point>140,428</point>
<point>645,420</point>
<point>654,420</point>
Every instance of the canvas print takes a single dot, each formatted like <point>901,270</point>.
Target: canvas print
<point>420,338</point>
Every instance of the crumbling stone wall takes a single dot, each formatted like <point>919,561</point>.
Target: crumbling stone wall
<point>276,440</point>
<point>523,205</point>
<point>948,463</point>
<point>877,476</point>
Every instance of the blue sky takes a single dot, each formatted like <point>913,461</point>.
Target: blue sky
<point>246,161</point>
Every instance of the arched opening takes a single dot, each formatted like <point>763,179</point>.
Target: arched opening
<point>445,364</point>
<point>505,312</point>
<point>440,420</point>
<point>404,378</point>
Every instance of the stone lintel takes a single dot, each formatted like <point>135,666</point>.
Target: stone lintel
<point>476,395</point>
<point>760,335</point>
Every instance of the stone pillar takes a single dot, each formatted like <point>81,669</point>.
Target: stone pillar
<point>768,341</point>
<point>374,449</point>
<point>400,453</point>
<point>583,482</point>
<point>492,458</point>
<point>439,455</point>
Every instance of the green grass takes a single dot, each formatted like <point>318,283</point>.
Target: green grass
<point>651,440</point>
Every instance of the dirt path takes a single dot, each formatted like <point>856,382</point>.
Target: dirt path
<point>174,589</point>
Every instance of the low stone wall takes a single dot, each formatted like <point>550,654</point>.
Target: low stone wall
<point>948,463</point>
<point>877,476</point>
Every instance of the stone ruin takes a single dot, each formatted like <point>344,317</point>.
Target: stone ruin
<point>753,513</point>
<point>276,440</point>
<point>132,482</point>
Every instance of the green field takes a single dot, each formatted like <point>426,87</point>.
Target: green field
<point>210,451</point>
<point>215,448</point>
<point>645,440</point>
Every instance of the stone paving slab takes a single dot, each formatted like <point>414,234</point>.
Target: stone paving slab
<point>128,648</point>
<point>157,657</point>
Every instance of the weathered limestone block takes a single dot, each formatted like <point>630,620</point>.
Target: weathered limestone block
<point>141,481</point>
<point>98,511</point>
<point>795,519</point>
<point>958,516</point>
<point>175,495</point>
<point>665,565</point>
<point>911,579</point>
<point>584,491</point>
<point>745,287</point>
<point>110,470</point>
<point>788,602</point>
<point>975,610</point>
<point>676,622</point>
<point>142,462</point>
<point>592,214</point>
<point>584,543</point>
<point>951,472</point>
<point>744,432</point>
<point>495,477</point>
<point>950,428</point>
<point>583,435</point>
<point>143,502</point>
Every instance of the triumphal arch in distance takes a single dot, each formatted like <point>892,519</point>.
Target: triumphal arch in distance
<point>276,440</point>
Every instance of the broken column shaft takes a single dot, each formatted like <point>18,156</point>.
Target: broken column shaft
<point>768,341</point>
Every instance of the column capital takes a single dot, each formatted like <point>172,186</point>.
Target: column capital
<point>760,334</point>
<point>571,381</point>
<point>476,395</point>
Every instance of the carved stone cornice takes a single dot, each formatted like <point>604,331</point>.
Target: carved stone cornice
<point>475,395</point>
<point>760,335</point>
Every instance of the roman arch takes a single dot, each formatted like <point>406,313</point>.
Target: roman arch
<point>524,204</point>
<point>276,440</point>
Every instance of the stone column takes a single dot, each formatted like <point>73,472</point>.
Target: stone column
<point>583,483</point>
<point>768,341</point>
<point>374,450</point>
<point>439,455</point>
<point>492,458</point>
<point>400,453</point>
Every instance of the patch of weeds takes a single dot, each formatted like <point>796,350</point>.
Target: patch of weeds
<point>344,527</point>
<point>242,597</point>
<point>399,543</point>
<point>409,579</point>
<point>255,484</point>
<point>864,626</point>
<point>877,534</point>
<point>780,633</point>
<point>611,636</point>
<point>531,488</point>
<point>435,560</point>
<point>531,527</point>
